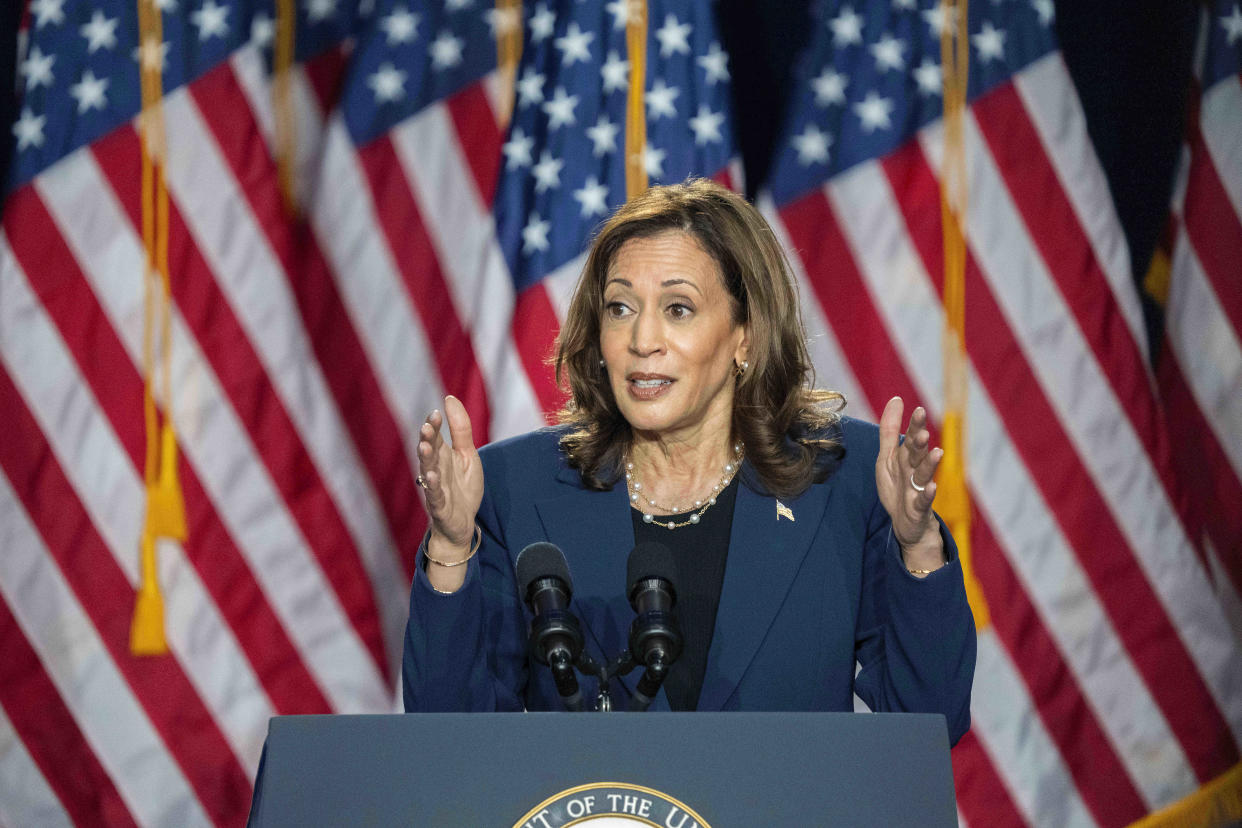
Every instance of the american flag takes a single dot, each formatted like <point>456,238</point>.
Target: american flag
<point>1109,679</point>
<point>427,246</point>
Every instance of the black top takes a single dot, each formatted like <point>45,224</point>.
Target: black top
<point>700,551</point>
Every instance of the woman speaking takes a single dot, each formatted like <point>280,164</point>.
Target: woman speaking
<point>811,565</point>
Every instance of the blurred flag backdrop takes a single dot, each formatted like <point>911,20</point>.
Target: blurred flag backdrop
<point>330,214</point>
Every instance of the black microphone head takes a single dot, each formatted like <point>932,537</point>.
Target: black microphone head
<point>541,560</point>
<point>650,560</point>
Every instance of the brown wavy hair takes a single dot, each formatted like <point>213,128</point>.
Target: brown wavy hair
<point>790,428</point>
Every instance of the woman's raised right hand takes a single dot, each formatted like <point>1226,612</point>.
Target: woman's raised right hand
<point>452,479</point>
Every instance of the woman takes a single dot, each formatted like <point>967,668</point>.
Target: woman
<point>805,540</point>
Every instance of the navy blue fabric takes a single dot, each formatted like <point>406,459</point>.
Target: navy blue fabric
<point>801,602</point>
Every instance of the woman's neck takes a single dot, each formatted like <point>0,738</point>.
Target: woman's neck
<point>679,472</point>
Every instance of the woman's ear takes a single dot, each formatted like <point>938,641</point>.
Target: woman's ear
<point>743,347</point>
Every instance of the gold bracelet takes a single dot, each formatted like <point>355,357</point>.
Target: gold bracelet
<point>478,541</point>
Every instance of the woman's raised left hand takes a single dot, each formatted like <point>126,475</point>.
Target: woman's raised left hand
<point>903,477</point>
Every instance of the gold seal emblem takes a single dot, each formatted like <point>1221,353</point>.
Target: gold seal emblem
<point>611,805</point>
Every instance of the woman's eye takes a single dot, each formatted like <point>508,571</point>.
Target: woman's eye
<point>615,310</point>
<point>679,311</point>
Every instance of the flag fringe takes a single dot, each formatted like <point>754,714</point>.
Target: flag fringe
<point>1217,803</point>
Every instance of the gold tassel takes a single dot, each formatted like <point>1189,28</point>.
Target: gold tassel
<point>146,632</point>
<point>508,54</point>
<point>282,102</point>
<point>165,505</point>
<point>953,496</point>
<point>635,112</point>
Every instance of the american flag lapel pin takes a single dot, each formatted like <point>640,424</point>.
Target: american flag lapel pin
<point>783,511</point>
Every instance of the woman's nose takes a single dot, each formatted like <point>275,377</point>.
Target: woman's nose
<point>647,335</point>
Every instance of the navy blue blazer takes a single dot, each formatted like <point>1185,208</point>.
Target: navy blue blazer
<point>802,600</point>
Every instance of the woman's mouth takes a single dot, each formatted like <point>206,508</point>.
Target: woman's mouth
<point>646,387</point>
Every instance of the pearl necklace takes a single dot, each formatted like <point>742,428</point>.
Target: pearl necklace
<point>637,495</point>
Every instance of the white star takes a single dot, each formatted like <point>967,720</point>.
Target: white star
<point>990,43</point>
<point>1233,25</point>
<point>210,20</point>
<point>715,63</point>
<point>400,26</point>
<point>262,30</point>
<point>502,21</point>
<point>812,146</point>
<point>829,87</point>
<point>37,68</point>
<point>938,20</point>
<point>593,197</point>
<point>47,11</point>
<point>615,72</point>
<point>560,109</point>
<point>846,27</point>
<point>517,150</point>
<point>623,11</point>
<point>535,235</point>
<point>905,5</point>
<point>542,22</point>
<point>547,172</point>
<point>706,125</point>
<point>458,5</point>
<point>317,10</point>
<point>660,100</point>
<point>388,83</point>
<point>928,76</point>
<point>446,51</point>
<point>575,45</point>
<point>100,33</point>
<point>1045,11</point>
<point>887,54</point>
<point>874,112</point>
<point>29,129</point>
<point>152,55</point>
<point>653,161</point>
<point>530,87</point>
<point>89,92</point>
<point>672,36</point>
<point>603,135</point>
<point>166,6</point>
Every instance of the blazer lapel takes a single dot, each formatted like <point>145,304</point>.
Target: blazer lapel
<point>766,548</point>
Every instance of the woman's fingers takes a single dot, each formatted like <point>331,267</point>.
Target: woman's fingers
<point>460,430</point>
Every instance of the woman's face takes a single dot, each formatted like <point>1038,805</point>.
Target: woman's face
<point>669,337</point>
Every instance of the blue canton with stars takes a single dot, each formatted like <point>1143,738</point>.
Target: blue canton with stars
<point>564,155</point>
<point>871,78</point>
<point>416,53</point>
<point>1223,56</point>
<point>78,79</point>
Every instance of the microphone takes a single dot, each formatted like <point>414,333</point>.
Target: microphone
<point>655,639</point>
<point>555,635</point>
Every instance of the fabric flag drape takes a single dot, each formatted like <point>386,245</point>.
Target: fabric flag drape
<point>1109,681</point>
<point>344,247</point>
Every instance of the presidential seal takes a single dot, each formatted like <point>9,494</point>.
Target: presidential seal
<point>611,805</point>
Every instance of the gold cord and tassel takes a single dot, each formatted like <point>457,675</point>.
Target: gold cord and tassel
<point>165,507</point>
<point>953,500</point>
<point>282,103</point>
<point>508,54</point>
<point>635,112</point>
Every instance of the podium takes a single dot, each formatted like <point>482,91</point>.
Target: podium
<point>545,770</point>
